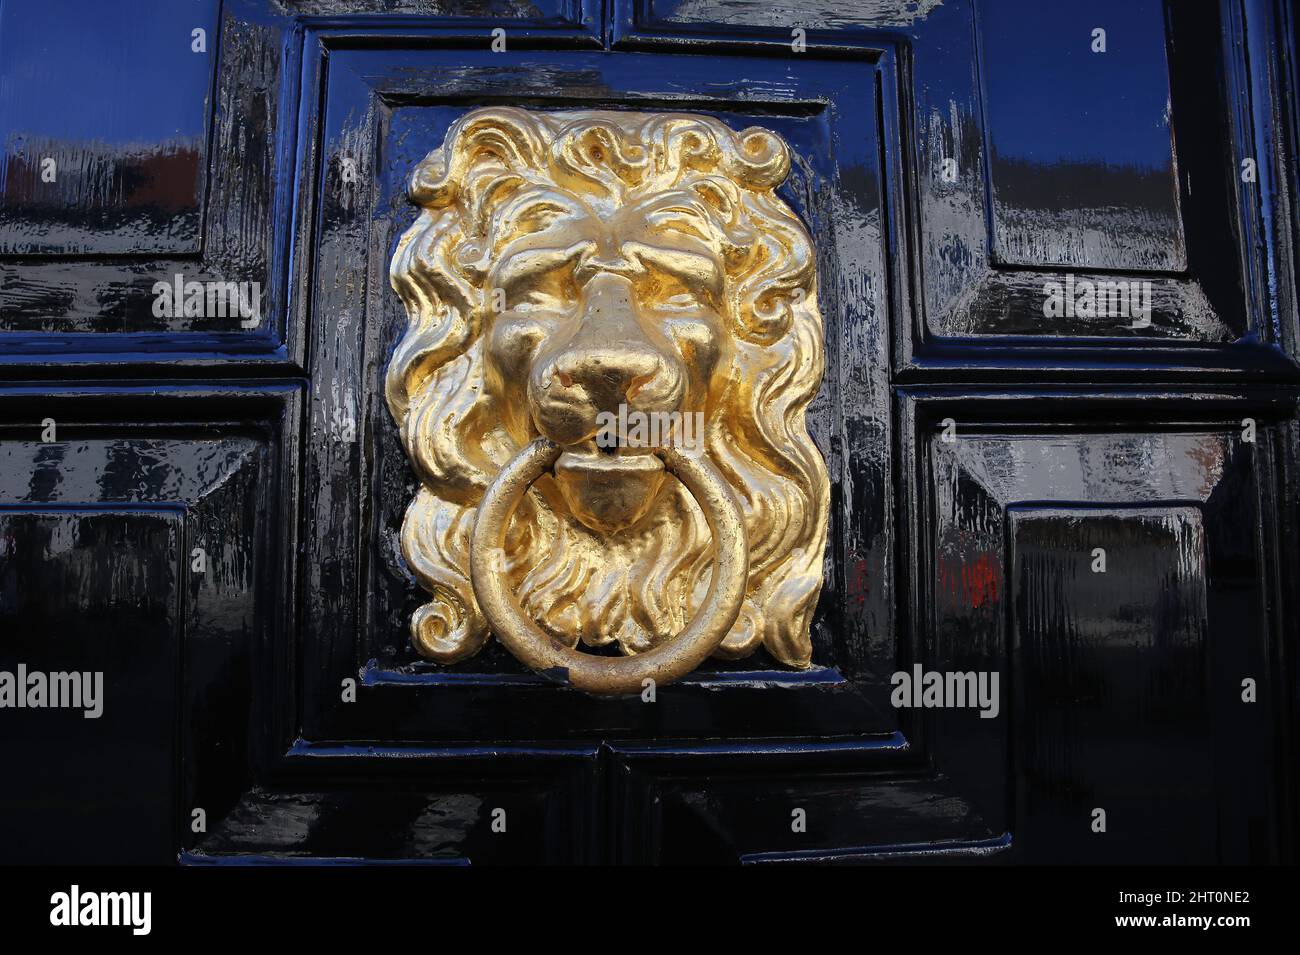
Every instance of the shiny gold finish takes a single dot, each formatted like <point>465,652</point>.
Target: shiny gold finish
<point>567,269</point>
<point>596,674</point>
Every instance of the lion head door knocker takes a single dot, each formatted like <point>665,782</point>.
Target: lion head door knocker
<point>612,339</point>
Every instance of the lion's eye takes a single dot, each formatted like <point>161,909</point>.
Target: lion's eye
<point>552,290</point>
<point>680,300</point>
<point>696,340</point>
<point>540,219</point>
<point>670,292</point>
<point>532,299</point>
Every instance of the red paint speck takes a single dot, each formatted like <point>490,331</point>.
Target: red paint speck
<point>859,582</point>
<point>973,583</point>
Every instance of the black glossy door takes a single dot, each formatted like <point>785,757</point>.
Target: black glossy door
<point>1056,260</point>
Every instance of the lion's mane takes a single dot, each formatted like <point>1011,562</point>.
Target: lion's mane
<point>641,586</point>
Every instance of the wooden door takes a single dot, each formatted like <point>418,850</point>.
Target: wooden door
<point>1055,267</point>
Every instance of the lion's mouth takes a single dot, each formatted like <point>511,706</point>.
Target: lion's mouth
<point>608,489</point>
<point>603,462</point>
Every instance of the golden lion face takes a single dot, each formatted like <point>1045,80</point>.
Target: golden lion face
<point>570,270</point>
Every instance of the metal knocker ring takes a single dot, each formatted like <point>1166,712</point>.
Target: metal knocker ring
<point>597,674</point>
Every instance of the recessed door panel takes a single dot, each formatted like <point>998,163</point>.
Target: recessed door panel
<point>1070,189</point>
<point>135,564</point>
<point>91,620</point>
<point>81,175</point>
<point>386,113</point>
<point>1108,574</point>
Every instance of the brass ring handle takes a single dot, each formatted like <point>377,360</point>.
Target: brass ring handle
<point>596,674</point>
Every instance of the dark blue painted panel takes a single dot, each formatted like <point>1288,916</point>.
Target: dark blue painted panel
<point>104,118</point>
<point>1077,114</point>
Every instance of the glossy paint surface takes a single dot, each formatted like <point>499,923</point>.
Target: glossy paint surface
<point>59,617</point>
<point>1109,569</point>
<point>99,575</point>
<point>84,170</point>
<point>272,684</point>
<point>1117,686</point>
<point>810,109</point>
<point>1017,184</point>
<point>1069,188</point>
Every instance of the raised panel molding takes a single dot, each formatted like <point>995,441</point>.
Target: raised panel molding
<point>416,806</point>
<point>869,800</point>
<point>123,644</point>
<point>1007,522</point>
<point>563,13</point>
<point>99,309</point>
<point>824,26</point>
<point>1101,653</point>
<point>109,515</point>
<point>1063,194</point>
<point>990,268</point>
<point>104,181</point>
<point>387,110</point>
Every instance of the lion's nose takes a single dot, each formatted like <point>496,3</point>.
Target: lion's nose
<point>609,375</point>
<point>611,358</point>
